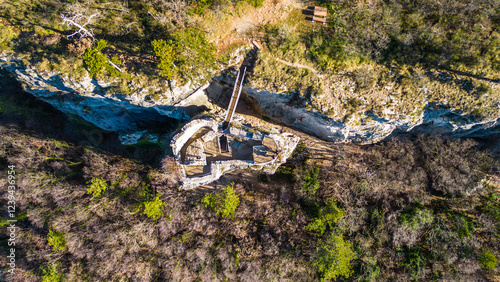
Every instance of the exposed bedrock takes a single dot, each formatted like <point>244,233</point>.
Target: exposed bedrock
<point>434,120</point>
<point>133,115</point>
<point>87,99</point>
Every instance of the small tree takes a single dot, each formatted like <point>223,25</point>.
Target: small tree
<point>328,215</point>
<point>311,182</point>
<point>225,203</point>
<point>488,260</point>
<point>334,258</point>
<point>52,273</point>
<point>97,187</point>
<point>165,53</point>
<point>187,56</point>
<point>56,240</point>
<point>154,208</point>
<point>96,61</point>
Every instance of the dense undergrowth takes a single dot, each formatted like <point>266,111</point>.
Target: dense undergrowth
<point>420,208</point>
<point>423,208</point>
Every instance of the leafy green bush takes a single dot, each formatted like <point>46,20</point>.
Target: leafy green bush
<point>56,240</point>
<point>328,215</point>
<point>187,56</point>
<point>154,208</point>
<point>6,34</point>
<point>492,206</point>
<point>52,273</point>
<point>416,217</point>
<point>414,261</point>
<point>165,53</point>
<point>488,260</point>
<point>368,270</point>
<point>95,61</point>
<point>225,203</point>
<point>97,187</point>
<point>256,3</point>
<point>334,258</point>
<point>202,5</point>
<point>311,182</point>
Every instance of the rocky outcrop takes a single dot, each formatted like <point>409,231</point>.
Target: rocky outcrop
<point>128,115</point>
<point>133,116</point>
<point>434,119</point>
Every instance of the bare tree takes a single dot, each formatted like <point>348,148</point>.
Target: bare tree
<point>171,11</point>
<point>79,21</point>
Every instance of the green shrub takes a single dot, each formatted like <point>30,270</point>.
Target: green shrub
<point>52,273</point>
<point>97,187</point>
<point>416,217</point>
<point>187,56</point>
<point>165,53</point>
<point>256,3</point>
<point>154,208</point>
<point>202,5</point>
<point>414,261</point>
<point>6,34</point>
<point>334,258</point>
<point>328,215</point>
<point>492,206</point>
<point>463,226</point>
<point>56,240</point>
<point>488,260</point>
<point>311,182</point>
<point>225,203</point>
<point>95,61</point>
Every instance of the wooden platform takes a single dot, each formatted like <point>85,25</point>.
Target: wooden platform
<point>320,14</point>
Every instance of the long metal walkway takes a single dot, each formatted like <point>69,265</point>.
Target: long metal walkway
<point>238,85</point>
<point>233,103</point>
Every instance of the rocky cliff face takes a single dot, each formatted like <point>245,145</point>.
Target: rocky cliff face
<point>133,115</point>
<point>435,119</point>
<point>87,99</point>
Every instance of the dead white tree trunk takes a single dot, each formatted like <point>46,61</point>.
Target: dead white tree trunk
<point>115,66</point>
<point>80,21</point>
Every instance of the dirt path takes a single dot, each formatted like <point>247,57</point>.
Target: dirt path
<point>270,12</point>
<point>295,65</point>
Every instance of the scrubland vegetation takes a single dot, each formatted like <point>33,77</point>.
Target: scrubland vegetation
<point>396,55</point>
<point>412,52</point>
<point>407,209</point>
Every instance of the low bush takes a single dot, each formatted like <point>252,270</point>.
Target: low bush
<point>187,56</point>
<point>154,208</point>
<point>416,217</point>
<point>95,61</point>
<point>52,273</point>
<point>165,53</point>
<point>6,34</point>
<point>56,240</point>
<point>225,203</point>
<point>311,182</point>
<point>415,261</point>
<point>334,258</point>
<point>328,215</point>
<point>488,260</point>
<point>97,187</point>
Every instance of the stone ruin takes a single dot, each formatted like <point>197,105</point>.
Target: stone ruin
<point>197,149</point>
